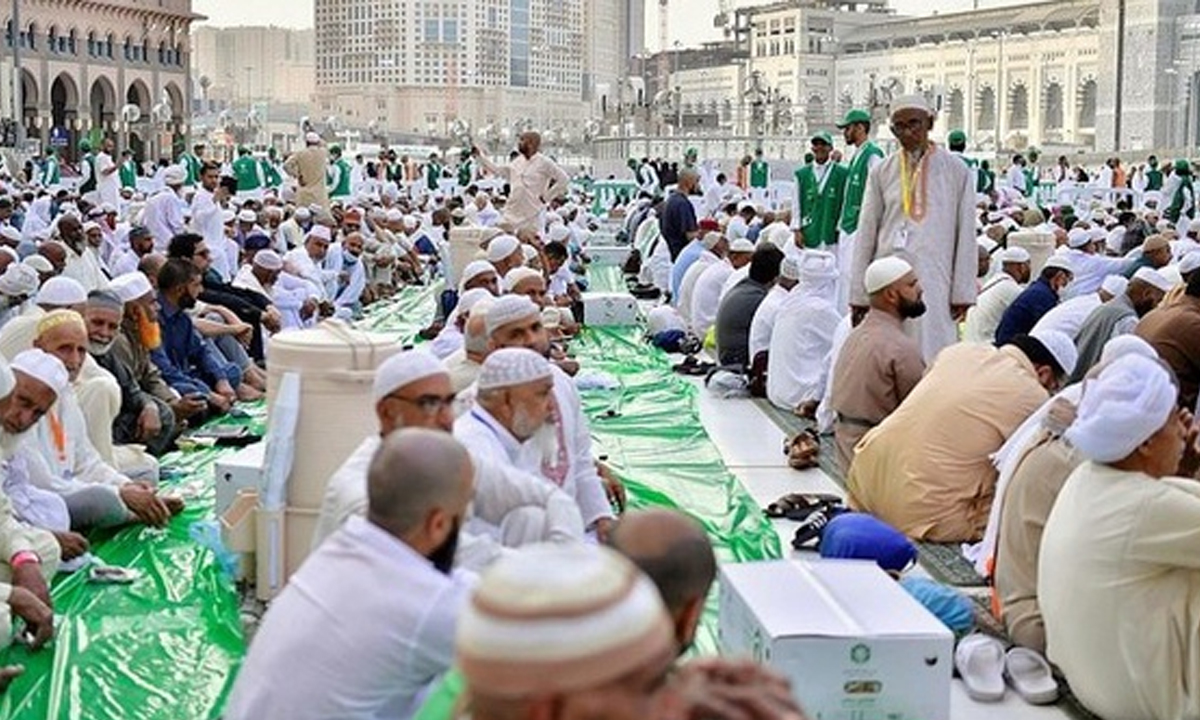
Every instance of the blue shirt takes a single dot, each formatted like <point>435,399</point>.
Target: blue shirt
<point>690,255</point>
<point>186,361</point>
<point>1029,307</point>
<point>678,219</point>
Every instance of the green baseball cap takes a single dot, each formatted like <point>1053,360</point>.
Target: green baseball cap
<point>957,137</point>
<point>1182,165</point>
<point>823,136</point>
<point>85,146</point>
<point>855,116</point>
<point>335,149</point>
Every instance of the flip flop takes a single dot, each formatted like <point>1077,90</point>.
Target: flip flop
<point>1029,674</point>
<point>814,525</point>
<point>793,503</point>
<point>980,662</point>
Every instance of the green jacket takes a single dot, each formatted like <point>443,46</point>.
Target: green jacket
<point>433,174</point>
<point>192,164</point>
<point>246,171</point>
<point>90,184</point>
<point>856,185</point>
<point>1154,179</point>
<point>271,173</point>
<point>128,173</point>
<point>760,174</point>
<point>820,208</point>
<point>339,186</point>
<point>1176,208</point>
<point>51,175</point>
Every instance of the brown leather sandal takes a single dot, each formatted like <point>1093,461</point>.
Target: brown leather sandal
<point>803,450</point>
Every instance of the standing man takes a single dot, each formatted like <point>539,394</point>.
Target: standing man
<point>760,178</point>
<point>51,173</point>
<point>108,182</point>
<point>534,179</point>
<point>1154,176</point>
<point>308,167</point>
<point>249,175</point>
<point>678,222</point>
<point>270,168</point>
<point>128,171</point>
<point>164,213</point>
<point>1180,197</point>
<point>920,205</point>
<point>87,169</point>
<point>820,189</point>
<point>433,172</point>
<point>192,163</point>
<point>337,177</point>
<point>856,131</point>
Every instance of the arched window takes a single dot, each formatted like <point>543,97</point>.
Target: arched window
<point>92,46</point>
<point>52,39</point>
<point>109,41</point>
<point>72,42</point>
<point>128,49</point>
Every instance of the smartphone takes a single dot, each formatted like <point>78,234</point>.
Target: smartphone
<point>112,575</point>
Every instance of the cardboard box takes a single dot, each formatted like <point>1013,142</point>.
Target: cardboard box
<point>601,309</point>
<point>853,643</point>
<point>240,470</point>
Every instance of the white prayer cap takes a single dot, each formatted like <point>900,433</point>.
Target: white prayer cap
<point>662,319</point>
<point>911,102</point>
<point>19,279</point>
<point>818,265</point>
<point>1194,226</point>
<point>38,263</point>
<point>1124,406</point>
<point>11,233</point>
<point>89,226</point>
<point>1154,277</point>
<point>43,367</point>
<point>410,222</point>
<point>509,309</point>
<point>394,215</point>
<point>1163,225</point>
<point>501,247</point>
<point>710,240</point>
<point>7,380</point>
<point>303,213</point>
<point>741,245</point>
<point>175,175</point>
<point>130,286</point>
<point>1172,275</point>
<point>1115,238</point>
<point>789,269</point>
<point>403,369</point>
<point>312,138</point>
<point>268,260</point>
<point>474,269</point>
<point>528,253</point>
<point>61,292</point>
<point>1061,346</point>
<point>508,367</point>
<point>470,299</point>
<point>1078,237</point>
<point>518,275</point>
<point>320,232</point>
<point>551,318</point>
<point>884,272</point>
<point>1062,262</point>
<point>247,216</point>
<point>560,232</point>
<point>986,243</point>
<point>1015,255</point>
<point>1114,285</point>
<point>1190,262</point>
<point>559,618</point>
<point>1121,345</point>
<point>1098,234</point>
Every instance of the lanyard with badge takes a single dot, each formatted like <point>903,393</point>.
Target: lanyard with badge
<point>913,195</point>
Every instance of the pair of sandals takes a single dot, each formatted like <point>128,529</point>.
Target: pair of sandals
<point>812,510</point>
<point>803,450</point>
<point>693,366</point>
<point>985,669</point>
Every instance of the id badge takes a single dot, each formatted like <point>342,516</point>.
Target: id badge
<point>900,239</point>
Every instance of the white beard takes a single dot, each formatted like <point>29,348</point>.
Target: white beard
<point>545,442</point>
<point>8,445</point>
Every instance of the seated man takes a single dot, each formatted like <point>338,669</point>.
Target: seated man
<point>381,590</point>
<point>412,390</point>
<point>1118,584</point>
<point>1035,301</point>
<point>706,295</point>
<point>464,364</point>
<point>927,469</point>
<point>736,312</point>
<point>450,340</point>
<point>879,364</point>
<point>344,261</point>
<point>1172,331</point>
<point>263,275</point>
<point>798,362</point>
<point>763,323</point>
<point>58,292</point>
<point>1067,317</point>
<point>996,295</point>
<point>1118,316</point>
<point>713,247</point>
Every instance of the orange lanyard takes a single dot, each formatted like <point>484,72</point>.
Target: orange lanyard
<point>913,185</point>
<point>59,434</point>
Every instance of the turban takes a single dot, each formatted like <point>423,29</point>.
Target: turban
<point>885,271</point>
<point>509,309</point>
<point>509,367</point>
<point>130,286</point>
<point>1114,285</point>
<point>1153,277</point>
<point>1122,345</point>
<point>404,369</point>
<point>19,279</point>
<point>43,367</point>
<point>501,247</point>
<point>557,619</point>
<point>1123,407</point>
<point>61,292</point>
<point>268,260</point>
<point>518,275</point>
<point>1060,346</point>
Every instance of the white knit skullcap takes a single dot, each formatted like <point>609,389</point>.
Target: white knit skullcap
<point>1078,237</point>
<point>303,213</point>
<point>1061,346</point>
<point>403,369</point>
<point>509,367</point>
<point>529,253</point>
<point>1154,277</point>
<point>394,215</point>
<point>1062,262</point>
<point>474,269</point>
<point>662,319</point>
<point>501,247</point>
<point>508,309</point>
<point>410,222</point>
<point>710,240</point>
<point>19,279</point>
<point>559,232</point>
<point>130,286</point>
<point>43,367</point>
<point>470,299</point>
<point>1124,406</point>
<point>1190,262</point>
<point>556,619</point>
<point>1115,238</point>
<point>741,245</point>
<point>789,268</point>
<point>884,272</point>
<point>268,260</point>
<point>1121,345</point>
<point>247,216</point>
<point>61,292</point>
<point>38,263</point>
<point>1015,255</point>
<point>518,275</point>
<point>1114,285</point>
<point>10,233</point>
<point>911,102</point>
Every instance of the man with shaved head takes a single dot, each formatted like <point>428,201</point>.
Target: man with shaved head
<point>535,180</point>
<point>380,591</point>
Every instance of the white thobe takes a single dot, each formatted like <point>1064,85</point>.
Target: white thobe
<point>574,469</point>
<point>763,322</point>
<point>384,621</point>
<point>826,416</point>
<point>800,346</point>
<point>76,464</point>
<point>163,217</point>
<point>941,247</point>
<point>206,221</point>
<point>449,341</point>
<point>108,187</point>
<point>688,286</point>
<point>1016,178</point>
<point>706,296</point>
<point>994,298</point>
<point>734,278</point>
<point>1090,270</point>
<point>348,296</point>
<point>297,263</point>
<point>86,268</point>
<point>1068,316</point>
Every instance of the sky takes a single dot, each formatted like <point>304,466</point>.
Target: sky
<point>690,27</point>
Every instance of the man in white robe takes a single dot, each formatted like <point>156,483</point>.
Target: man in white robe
<point>1068,316</point>
<point>996,295</point>
<point>803,336</point>
<point>715,245</point>
<point>920,204</point>
<point>763,323</point>
<point>706,295</point>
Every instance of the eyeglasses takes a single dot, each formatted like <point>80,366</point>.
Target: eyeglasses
<point>430,405</point>
<point>912,125</point>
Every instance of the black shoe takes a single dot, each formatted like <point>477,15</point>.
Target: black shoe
<point>813,526</point>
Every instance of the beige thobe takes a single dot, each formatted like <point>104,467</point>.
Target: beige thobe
<point>927,469</point>
<point>308,167</point>
<point>941,247</point>
<point>876,369</point>
<point>533,182</point>
<point>1119,588</point>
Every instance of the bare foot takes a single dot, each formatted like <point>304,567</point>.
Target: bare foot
<point>8,673</point>
<point>174,504</point>
<point>246,393</point>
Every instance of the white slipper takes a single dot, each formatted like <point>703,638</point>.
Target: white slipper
<point>980,661</point>
<point>1029,674</point>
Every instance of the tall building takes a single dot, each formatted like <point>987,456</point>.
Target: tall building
<point>235,66</point>
<point>83,62</point>
<point>414,67</point>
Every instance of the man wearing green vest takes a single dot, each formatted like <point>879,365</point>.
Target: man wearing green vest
<point>51,174</point>
<point>87,169</point>
<point>192,163</point>
<point>957,141</point>
<point>337,177</point>
<point>856,131</point>
<point>466,171</point>
<point>248,173</point>
<point>272,174</point>
<point>433,172</point>
<point>1153,176</point>
<point>128,170</point>
<point>760,178</point>
<point>1182,197</point>
<point>820,189</point>
<point>987,179</point>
